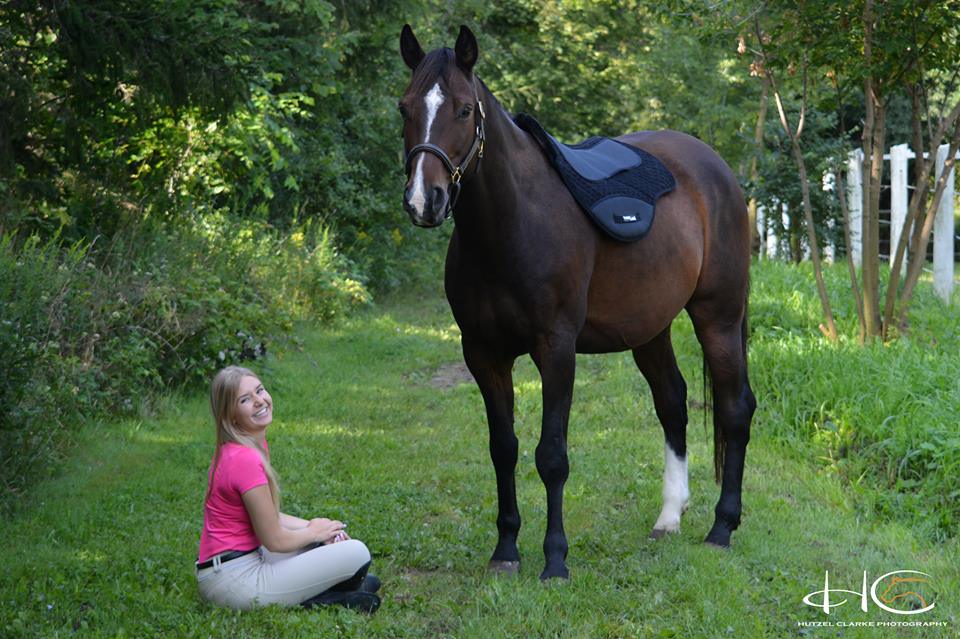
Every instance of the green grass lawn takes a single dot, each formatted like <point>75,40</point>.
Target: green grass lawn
<point>365,433</point>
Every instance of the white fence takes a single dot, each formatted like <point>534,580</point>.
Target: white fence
<point>944,232</point>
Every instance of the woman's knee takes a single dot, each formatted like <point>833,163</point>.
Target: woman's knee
<point>359,553</point>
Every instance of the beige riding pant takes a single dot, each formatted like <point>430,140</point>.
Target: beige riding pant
<point>263,577</point>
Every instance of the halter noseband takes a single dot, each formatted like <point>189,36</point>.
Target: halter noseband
<point>456,173</point>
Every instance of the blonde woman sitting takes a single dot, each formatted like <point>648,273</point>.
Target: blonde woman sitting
<point>251,554</point>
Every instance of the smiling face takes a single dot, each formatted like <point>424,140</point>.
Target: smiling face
<point>253,409</point>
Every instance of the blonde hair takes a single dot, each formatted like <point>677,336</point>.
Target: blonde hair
<point>223,405</point>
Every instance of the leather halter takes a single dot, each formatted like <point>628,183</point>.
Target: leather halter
<point>456,173</point>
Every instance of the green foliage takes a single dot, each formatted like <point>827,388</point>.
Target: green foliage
<point>96,329</point>
<point>778,184</point>
<point>607,68</point>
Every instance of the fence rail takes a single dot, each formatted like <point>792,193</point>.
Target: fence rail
<point>944,231</point>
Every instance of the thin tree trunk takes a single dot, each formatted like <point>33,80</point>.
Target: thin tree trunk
<point>916,122</point>
<point>915,266</point>
<point>830,329</point>
<point>873,135</point>
<point>754,169</point>
<point>845,211</point>
<point>923,168</point>
<point>851,268</point>
<point>871,230</point>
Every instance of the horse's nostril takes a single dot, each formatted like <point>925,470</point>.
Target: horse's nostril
<point>436,196</point>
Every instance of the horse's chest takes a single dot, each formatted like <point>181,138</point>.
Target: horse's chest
<point>490,312</point>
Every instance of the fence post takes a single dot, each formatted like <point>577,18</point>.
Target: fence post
<point>773,243</point>
<point>830,247</point>
<point>855,197</point>
<point>943,230</point>
<point>898,198</point>
<point>768,236</point>
<point>784,251</point>
<point>761,233</point>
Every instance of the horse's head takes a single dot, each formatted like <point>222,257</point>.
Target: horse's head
<point>442,125</point>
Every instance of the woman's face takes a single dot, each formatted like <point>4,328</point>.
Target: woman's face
<point>253,411</point>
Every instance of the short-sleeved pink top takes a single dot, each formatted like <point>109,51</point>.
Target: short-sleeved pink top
<point>226,523</point>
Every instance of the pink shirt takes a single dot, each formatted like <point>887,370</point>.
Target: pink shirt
<point>226,523</point>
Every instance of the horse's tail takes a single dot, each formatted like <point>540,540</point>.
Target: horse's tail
<point>719,447</point>
<point>719,442</point>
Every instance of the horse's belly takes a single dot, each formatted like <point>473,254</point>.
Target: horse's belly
<point>625,312</point>
<point>611,337</point>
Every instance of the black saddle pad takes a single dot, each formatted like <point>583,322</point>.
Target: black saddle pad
<point>616,184</point>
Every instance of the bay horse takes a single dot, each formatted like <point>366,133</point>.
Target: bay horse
<point>528,273</point>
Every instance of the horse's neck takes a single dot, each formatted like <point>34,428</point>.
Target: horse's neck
<point>494,198</point>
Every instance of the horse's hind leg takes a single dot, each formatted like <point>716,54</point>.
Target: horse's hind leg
<point>495,378</point>
<point>722,334</point>
<point>656,361</point>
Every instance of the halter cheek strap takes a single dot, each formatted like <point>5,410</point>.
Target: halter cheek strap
<point>456,172</point>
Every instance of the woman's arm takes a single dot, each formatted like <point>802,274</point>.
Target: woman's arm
<point>277,538</point>
<point>292,523</point>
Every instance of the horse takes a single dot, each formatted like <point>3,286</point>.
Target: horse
<point>528,273</point>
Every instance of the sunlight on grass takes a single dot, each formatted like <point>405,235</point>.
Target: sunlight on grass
<point>843,442</point>
<point>324,428</point>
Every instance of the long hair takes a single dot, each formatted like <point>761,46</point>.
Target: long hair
<point>223,403</point>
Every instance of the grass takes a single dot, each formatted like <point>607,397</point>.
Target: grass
<point>364,434</point>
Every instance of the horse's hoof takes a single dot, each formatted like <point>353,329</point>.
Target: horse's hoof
<point>719,539</point>
<point>556,572</point>
<point>499,567</point>
<point>658,533</point>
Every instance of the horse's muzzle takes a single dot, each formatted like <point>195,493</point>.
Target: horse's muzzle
<point>434,207</point>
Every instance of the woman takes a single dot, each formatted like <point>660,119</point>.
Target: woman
<point>251,554</point>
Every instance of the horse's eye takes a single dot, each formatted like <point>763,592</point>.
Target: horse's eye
<point>465,112</point>
<point>403,112</point>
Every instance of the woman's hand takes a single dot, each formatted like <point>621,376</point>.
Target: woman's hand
<point>327,530</point>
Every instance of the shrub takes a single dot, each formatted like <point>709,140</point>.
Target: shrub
<point>96,328</point>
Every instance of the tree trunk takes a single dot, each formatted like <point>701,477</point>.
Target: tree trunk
<point>915,267</point>
<point>754,170</point>
<point>873,135</point>
<point>851,268</point>
<point>830,330</point>
<point>871,226</point>
<point>923,169</point>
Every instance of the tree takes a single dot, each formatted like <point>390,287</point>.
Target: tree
<point>793,133</point>
<point>881,49</point>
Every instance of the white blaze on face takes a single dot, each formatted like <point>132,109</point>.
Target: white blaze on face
<point>433,100</point>
<point>676,491</point>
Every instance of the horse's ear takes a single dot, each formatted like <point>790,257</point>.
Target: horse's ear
<point>466,50</point>
<point>409,47</point>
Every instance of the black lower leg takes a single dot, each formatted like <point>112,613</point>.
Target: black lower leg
<point>353,583</point>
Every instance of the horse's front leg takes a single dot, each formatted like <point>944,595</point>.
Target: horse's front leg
<point>494,376</point>
<point>555,357</point>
